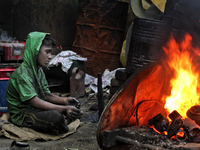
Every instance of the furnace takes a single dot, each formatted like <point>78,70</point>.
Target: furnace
<point>157,106</point>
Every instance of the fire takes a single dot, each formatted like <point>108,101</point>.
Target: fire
<point>184,84</point>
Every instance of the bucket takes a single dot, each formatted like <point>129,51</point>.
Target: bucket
<point>148,37</point>
<point>6,70</point>
<point>3,100</point>
<point>100,30</point>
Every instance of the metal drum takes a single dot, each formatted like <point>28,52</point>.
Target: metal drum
<point>148,37</point>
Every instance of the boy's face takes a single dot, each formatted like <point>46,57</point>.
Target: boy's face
<point>44,55</point>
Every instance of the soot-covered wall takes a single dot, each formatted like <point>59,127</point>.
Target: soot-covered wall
<point>58,17</point>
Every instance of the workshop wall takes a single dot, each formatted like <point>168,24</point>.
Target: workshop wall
<point>58,17</point>
<point>5,16</point>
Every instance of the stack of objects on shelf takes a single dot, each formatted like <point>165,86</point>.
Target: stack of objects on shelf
<point>11,56</point>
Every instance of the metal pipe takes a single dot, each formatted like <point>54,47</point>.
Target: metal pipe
<point>193,128</point>
<point>100,95</point>
<point>181,138</point>
<point>129,141</point>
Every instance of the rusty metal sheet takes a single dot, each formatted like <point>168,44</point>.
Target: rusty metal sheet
<point>100,31</point>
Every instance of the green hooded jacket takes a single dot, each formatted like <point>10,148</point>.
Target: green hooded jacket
<point>27,81</point>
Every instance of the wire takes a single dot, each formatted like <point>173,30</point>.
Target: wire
<point>138,104</point>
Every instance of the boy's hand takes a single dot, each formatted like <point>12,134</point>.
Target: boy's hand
<point>72,112</point>
<point>72,101</point>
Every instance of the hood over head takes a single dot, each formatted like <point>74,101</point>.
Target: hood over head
<point>32,47</point>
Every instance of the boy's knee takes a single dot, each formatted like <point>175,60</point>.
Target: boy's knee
<point>60,122</point>
<point>57,117</point>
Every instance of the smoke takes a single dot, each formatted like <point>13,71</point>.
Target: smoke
<point>5,37</point>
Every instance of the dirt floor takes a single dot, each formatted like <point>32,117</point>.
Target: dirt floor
<point>83,139</point>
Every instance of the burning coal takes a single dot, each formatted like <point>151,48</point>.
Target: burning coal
<point>181,62</point>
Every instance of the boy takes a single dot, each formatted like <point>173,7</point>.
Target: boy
<point>30,102</point>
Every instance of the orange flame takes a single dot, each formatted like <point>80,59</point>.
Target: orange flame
<point>185,81</point>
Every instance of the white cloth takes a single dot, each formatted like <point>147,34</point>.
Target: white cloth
<point>66,58</point>
<point>106,80</point>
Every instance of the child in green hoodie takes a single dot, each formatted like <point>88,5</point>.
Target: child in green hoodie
<point>30,102</point>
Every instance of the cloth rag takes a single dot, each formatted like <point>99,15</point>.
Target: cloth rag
<point>14,132</point>
<point>66,58</point>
